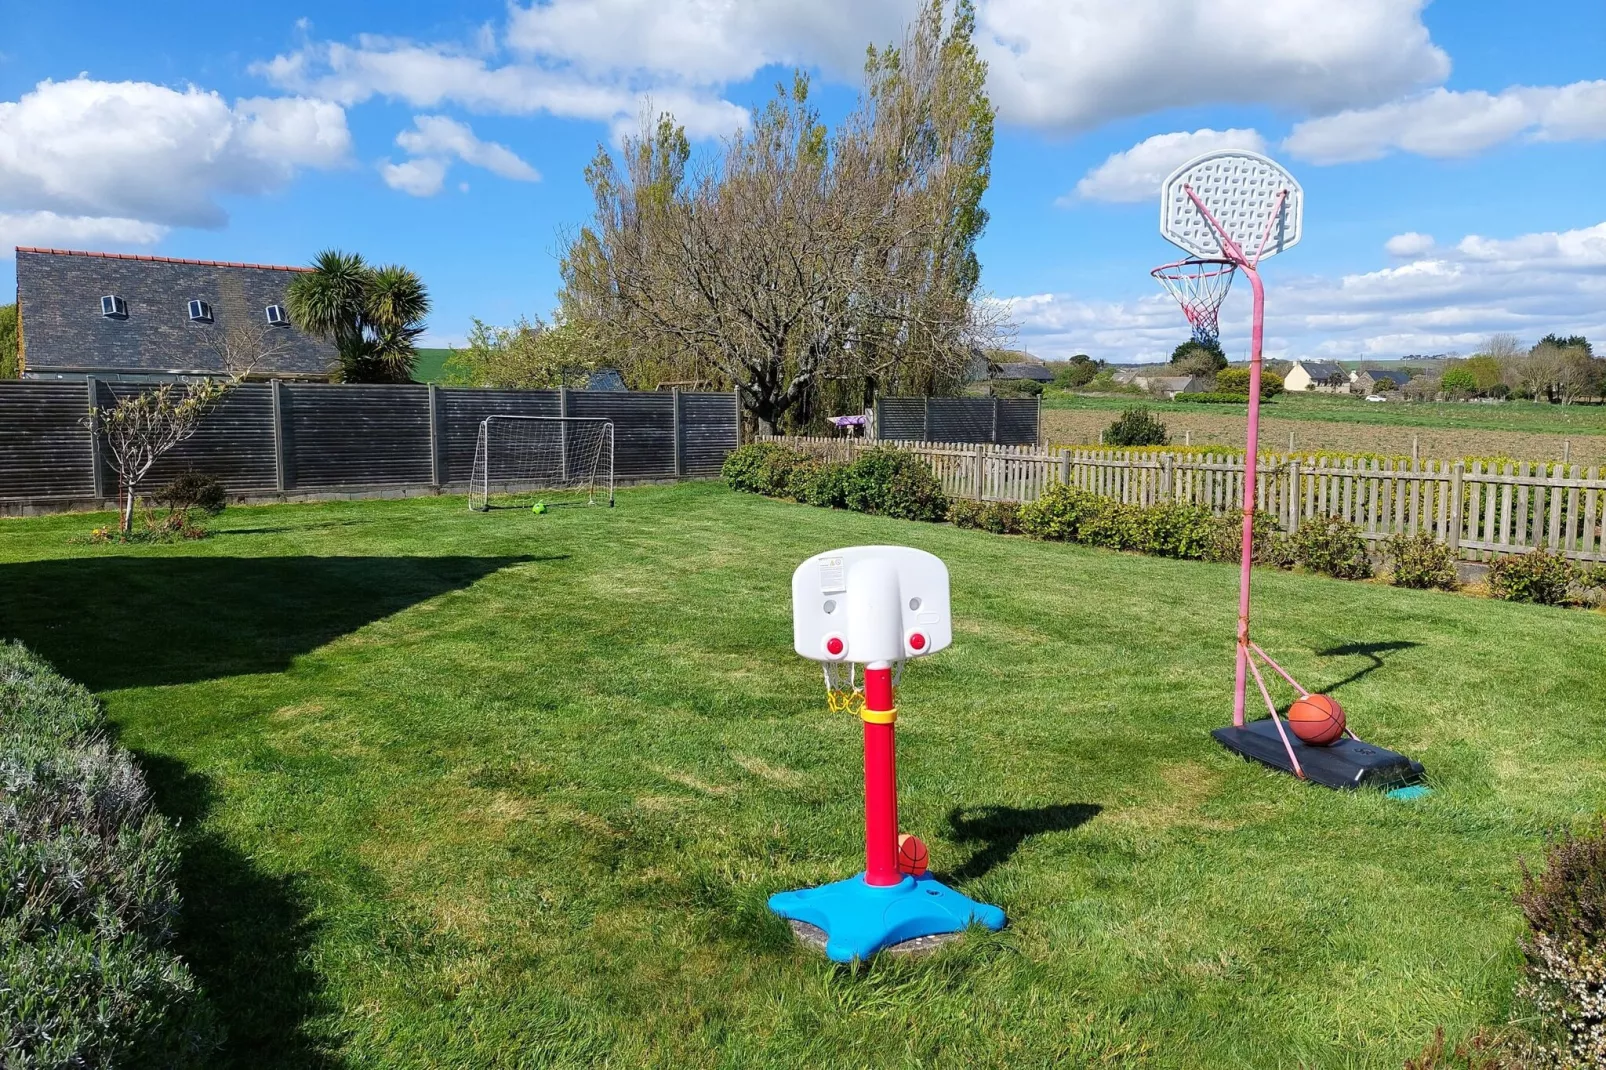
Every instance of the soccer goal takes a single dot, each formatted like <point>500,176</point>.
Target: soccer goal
<point>556,460</point>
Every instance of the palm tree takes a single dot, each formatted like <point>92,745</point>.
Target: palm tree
<point>373,315</point>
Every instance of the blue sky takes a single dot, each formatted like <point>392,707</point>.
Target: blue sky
<point>1450,153</point>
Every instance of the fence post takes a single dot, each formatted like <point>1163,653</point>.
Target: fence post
<point>97,463</point>
<point>977,468</point>
<point>282,479</point>
<point>1165,477</point>
<point>680,467</point>
<point>1065,467</point>
<point>736,392</point>
<point>994,439</point>
<point>1452,537</point>
<point>1291,521</point>
<point>925,419</point>
<point>436,467</point>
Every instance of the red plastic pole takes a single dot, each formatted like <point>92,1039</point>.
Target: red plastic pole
<point>880,780</point>
<point>1251,462</point>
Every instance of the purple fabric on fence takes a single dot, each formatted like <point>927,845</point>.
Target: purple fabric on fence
<point>849,421</point>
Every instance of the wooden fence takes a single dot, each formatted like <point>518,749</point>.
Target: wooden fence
<point>1478,511</point>
<point>272,441</point>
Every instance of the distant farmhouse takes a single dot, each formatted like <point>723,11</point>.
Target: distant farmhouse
<point>152,318</point>
<point>1376,380</point>
<point>1321,376</point>
<point>1155,379</point>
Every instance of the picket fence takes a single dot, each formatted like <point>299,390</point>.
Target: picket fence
<point>1478,509</point>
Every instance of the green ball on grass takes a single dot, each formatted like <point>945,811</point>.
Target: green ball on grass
<point>538,508</point>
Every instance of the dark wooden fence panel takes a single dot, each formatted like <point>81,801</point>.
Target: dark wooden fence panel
<point>353,435</point>
<point>708,431</point>
<point>643,430</point>
<point>1000,421</point>
<point>463,410</point>
<point>44,441</point>
<point>233,444</point>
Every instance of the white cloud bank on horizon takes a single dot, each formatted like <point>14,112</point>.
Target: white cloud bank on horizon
<point>1529,285</point>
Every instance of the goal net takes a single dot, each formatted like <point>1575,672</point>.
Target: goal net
<point>561,460</point>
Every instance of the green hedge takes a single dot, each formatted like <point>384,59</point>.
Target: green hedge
<point>87,894</point>
<point>885,482</point>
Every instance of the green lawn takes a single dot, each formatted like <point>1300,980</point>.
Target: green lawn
<point>1526,416</point>
<point>500,790</point>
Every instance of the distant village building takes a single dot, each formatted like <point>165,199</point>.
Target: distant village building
<point>1033,372</point>
<point>152,318</point>
<point>1376,381</point>
<point>1321,376</point>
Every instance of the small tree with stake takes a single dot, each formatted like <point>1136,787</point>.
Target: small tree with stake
<point>138,429</point>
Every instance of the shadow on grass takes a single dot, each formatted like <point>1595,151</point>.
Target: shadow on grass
<point>998,831</point>
<point>132,621</point>
<point>246,934</point>
<point>1372,651</point>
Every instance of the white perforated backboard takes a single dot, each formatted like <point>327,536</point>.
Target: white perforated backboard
<point>870,604</point>
<point>1240,189</point>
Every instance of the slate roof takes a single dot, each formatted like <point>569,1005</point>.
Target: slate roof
<point>1035,372</point>
<point>63,331</point>
<point>1396,377</point>
<point>1322,370</point>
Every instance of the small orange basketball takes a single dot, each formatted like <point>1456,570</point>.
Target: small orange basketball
<point>1317,719</point>
<point>913,858</point>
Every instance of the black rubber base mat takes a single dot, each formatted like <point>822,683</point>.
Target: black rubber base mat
<point>1347,764</point>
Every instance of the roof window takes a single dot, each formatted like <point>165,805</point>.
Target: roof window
<point>200,312</point>
<point>113,307</point>
<point>276,316</point>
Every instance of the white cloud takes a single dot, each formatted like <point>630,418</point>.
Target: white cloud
<point>433,141</point>
<point>1057,64</point>
<point>136,151</point>
<point>1447,123</point>
<point>1136,174</point>
<point>436,135</point>
<point>1530,284</point>
<point>1071,64</point>
<point>1408,245</point>
<point>706,42</point>
<point>53,230</point>
<point>429,76</point>
<point>421,178</point>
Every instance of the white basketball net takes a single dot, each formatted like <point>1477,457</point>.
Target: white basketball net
<point>1199,287</point>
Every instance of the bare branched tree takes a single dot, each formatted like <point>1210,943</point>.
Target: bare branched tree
<point>1502,346</point>
<point>139,428</point>
<point>798,256</point>
<point>244,347</point>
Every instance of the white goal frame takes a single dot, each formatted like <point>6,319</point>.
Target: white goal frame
<point>591,474</point>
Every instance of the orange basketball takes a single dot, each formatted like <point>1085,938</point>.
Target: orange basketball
<point>913,858</point>
<point>1317,719</point>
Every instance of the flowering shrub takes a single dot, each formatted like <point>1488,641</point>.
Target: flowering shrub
<point>1421,561</point>
<point>1532,577</point>
<point>1333,547</point>
<point>1565,950</point>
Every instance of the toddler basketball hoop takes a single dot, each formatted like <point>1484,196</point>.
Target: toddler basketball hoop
<point>1229,211</point>
<point>875,606</point>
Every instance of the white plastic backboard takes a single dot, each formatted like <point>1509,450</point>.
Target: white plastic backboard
<point>869,604</point>
<point>1240,189</point>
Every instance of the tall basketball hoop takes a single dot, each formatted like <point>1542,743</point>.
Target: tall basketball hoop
<point>1229,211</point>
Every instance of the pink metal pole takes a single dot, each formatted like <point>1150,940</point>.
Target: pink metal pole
<point>1251,462</point>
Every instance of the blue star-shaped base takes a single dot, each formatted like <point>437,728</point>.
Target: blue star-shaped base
<point>860,919</point>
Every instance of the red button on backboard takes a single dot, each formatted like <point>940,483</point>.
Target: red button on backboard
<point>917,641</point>
<point>833,646</point>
